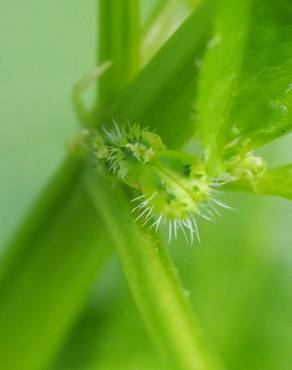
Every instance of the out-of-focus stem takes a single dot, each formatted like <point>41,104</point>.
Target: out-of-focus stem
<point>118,42</point>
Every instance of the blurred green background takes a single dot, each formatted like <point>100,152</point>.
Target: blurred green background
<point>239,279</point>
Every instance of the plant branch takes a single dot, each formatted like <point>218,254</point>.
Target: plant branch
<point>153,280</point>
<point>47,271</point>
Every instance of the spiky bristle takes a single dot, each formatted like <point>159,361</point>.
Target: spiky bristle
<point>188,226</point>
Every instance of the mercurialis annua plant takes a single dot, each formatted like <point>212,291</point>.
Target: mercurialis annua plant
<point>183,96</point>
<point>174,187</point>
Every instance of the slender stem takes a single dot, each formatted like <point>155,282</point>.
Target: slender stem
<point>162,22</point>
<point>152,18</point>
<point>153,280</point>
<point>158,28</point>
<point>118,42</point>
<point>86,117</point>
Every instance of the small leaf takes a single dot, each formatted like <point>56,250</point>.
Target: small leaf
<point>245,97</point>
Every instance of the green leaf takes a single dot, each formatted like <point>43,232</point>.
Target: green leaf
<point>245,97</point>
<point>153,281</point>
<point>162,95</point>
<point>47,272</point>
<point>277,181</point>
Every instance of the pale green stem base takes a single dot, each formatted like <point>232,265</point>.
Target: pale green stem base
<point>153,281</point>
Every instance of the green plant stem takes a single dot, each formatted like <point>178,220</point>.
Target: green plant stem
<point>161,23</point>
<point>85,116</point>
<point>153,280</point>
<point>48,270</point>
<point>158,28</point>
<point>119,42</point>
<point>153,16</point>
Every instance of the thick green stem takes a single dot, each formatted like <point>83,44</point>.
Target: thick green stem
<point>47,272</point>
<point>153,281</point>
<point>119,42</point>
